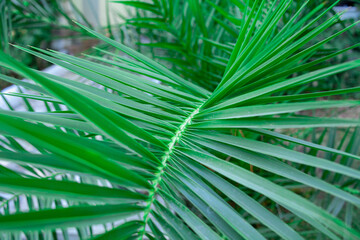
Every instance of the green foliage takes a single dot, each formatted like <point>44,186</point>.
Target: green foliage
<point>34,23</point>
<point>213,157</point>
<point>176,35</point>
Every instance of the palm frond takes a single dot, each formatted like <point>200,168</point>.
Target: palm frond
<point>161,157</point>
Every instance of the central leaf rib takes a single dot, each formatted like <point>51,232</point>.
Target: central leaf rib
<point>158,176</point>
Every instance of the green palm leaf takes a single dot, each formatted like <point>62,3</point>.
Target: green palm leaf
<point>173,158</point>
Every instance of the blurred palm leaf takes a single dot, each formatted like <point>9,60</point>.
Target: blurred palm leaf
<point>34,23</point>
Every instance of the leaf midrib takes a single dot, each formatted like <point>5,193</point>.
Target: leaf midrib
<point>164,159</point>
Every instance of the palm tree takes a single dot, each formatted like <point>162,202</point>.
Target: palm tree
<point>171,159</point>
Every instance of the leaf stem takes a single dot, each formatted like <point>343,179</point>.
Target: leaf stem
<point>158,176</point>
